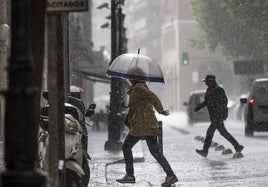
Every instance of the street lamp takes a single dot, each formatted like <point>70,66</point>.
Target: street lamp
<point>116,113</point>
<point>105,5</point>
<point>118,86</point>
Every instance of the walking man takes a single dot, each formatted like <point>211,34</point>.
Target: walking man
<point>142,125</point>
<point>216,103</point>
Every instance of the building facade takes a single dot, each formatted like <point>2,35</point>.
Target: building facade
<point>164,30</point>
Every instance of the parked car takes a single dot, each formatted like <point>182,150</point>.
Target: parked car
<point>195,98</point>
<point>256,111</point>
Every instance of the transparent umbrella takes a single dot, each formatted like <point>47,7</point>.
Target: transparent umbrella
<point>136,67</point>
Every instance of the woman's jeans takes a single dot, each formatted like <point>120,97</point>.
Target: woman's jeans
<point>151,141</point>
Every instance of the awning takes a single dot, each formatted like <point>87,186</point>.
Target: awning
<point>93,68</point>
<point>92,74</point>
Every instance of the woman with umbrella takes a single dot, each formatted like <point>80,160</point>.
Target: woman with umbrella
<point>142,123</point>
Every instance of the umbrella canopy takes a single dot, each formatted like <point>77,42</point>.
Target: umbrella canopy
<point>136,67</point>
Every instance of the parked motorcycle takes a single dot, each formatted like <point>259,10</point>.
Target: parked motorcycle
<point>76,156</point>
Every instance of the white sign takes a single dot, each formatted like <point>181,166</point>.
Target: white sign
<point>67,5</point>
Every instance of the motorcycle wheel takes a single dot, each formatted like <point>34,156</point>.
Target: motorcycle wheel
<point>73,180</point>
<point>85,178</point>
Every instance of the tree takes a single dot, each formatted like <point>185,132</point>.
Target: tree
<point>238,26</point>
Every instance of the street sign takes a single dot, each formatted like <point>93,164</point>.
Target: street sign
<point>67,5</point>
<point>248,67</point>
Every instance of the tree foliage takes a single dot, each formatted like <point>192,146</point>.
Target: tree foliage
<point>240,27</point>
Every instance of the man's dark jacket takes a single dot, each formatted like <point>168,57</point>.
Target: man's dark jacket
<point>216,103</point>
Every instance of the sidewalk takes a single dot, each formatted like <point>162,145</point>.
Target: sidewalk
<point>101,159</point>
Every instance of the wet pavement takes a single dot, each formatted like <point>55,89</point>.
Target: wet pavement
<point>101,160</point>
<point>192,170</point>
<point>180,142</point>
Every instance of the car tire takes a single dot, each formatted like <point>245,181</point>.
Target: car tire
<point>249,131</point>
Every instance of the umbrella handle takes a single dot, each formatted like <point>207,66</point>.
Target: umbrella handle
<point>123,105</point>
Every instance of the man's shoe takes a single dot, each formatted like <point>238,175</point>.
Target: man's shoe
<point>170,180</point>
<point>202,152</point>
<point>239,148</point>
<point>127,179</point>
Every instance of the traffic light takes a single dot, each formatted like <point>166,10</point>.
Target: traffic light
<point>185,58</point>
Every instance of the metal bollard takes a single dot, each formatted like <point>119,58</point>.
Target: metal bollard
<point>160,137</point>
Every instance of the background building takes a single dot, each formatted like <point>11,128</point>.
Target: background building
<point>143,25</point>
<point>89,56</point>
<point>164,30</point>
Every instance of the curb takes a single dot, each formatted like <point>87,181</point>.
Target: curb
<point>99,168</point>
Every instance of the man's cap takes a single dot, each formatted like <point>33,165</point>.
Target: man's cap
<point>209,78</point>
